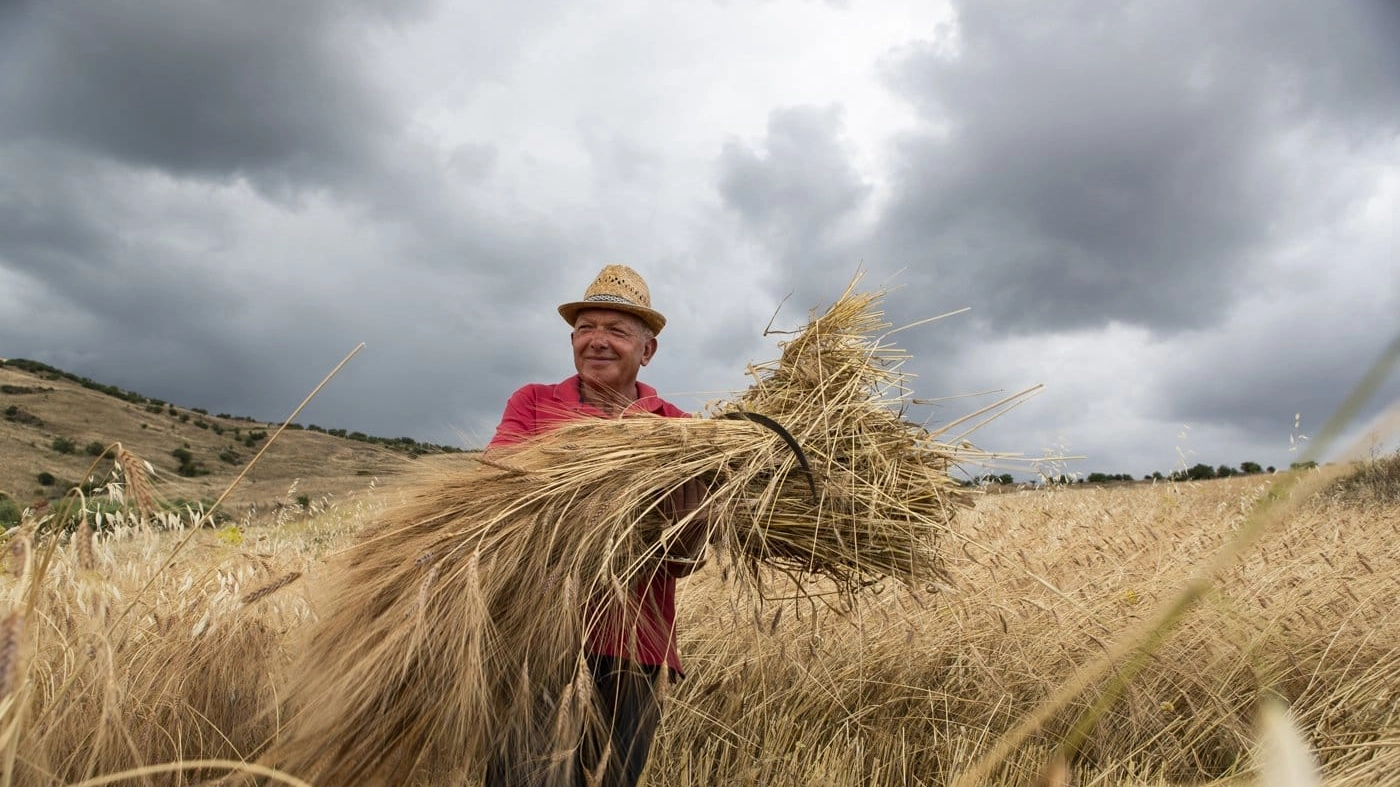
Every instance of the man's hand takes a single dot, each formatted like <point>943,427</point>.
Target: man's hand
<point>685,548</point>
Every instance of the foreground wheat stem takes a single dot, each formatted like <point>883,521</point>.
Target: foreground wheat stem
<point>1134,650</point>
<point>228,489</point>
<point>187,765</point>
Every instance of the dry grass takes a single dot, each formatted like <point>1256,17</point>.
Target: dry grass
<point>911,691</point>
<point>902,689</point>
<point>112,663</point>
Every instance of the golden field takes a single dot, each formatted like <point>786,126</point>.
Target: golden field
<point>158,655</point>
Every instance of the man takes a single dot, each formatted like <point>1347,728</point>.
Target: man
<point>613,337</point>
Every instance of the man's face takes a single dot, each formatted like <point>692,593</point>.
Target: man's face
<point>610,347</point>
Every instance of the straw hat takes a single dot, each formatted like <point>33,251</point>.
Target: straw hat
<point>621,289</point>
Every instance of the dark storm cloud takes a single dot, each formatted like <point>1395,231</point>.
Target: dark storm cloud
<point>1090,163</point>
<point>40,230</point>
<point>194,88</point>
<point>128,131</point>
<point>797,192</point>
<point>69,228</point>
<point>1261,381</point>
<point>800,183</point>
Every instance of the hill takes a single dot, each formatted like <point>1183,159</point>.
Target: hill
<point>55,425</point>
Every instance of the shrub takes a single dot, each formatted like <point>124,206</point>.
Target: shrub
<point>192,469</point>
<point>95,448</point>
<point>1374,481</point>
<point>46,478</point>
<point>188,468</point>
<point>10,512</point>
<point>63,445</point>
<point>18,415</point>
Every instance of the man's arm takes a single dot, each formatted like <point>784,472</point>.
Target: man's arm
<point>685,549</point>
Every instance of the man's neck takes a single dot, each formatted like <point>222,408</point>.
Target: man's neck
<point>609,400</point>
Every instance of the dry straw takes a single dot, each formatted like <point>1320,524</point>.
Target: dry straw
<point>456,621</point>
<point>137,473</point>
<point>11,644</point>
<point>258,594</point>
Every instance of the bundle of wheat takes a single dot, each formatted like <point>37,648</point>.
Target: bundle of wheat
<point>458,619</point>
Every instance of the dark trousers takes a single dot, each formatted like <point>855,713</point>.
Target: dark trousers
<point>630,708</point>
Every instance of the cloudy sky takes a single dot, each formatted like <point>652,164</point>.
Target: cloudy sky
<point>1182,217</point>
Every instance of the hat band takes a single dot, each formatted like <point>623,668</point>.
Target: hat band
<point>608,299</point>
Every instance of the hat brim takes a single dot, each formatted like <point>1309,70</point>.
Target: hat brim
<point>653,318</point>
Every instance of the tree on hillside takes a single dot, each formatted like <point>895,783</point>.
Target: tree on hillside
<point>1196,472</point>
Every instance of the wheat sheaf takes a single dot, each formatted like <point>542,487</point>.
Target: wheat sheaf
<point>455,622</point>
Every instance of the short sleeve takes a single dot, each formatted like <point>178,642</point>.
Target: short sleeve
<point>518,420</point>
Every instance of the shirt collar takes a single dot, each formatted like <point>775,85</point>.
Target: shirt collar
<point>570,391</point>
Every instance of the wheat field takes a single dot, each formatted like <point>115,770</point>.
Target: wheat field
<point>158,655</point>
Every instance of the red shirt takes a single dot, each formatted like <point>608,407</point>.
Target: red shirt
<point>651,639</point>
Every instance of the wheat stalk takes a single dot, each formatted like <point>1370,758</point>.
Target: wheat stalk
<point>138,474</point>
<point>11,657</point>
<point>260,593</point>
<point>82,541</point>
<point>20,550</point>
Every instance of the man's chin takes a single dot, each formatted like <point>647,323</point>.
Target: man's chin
<point>598,378</point>
<point>598,372</point>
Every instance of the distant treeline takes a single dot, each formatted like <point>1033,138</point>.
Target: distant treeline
<point>404,444</point>
<point>1197,472</point>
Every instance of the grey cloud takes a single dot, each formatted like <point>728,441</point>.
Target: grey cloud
<point>1130,168</point>
<point>1261,382</point>
<point>67,224</point>
<point>202,89</point>
<point>797,191</point>
<point>800,182</point>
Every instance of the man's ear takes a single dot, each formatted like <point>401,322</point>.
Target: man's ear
<point>648,351</point>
